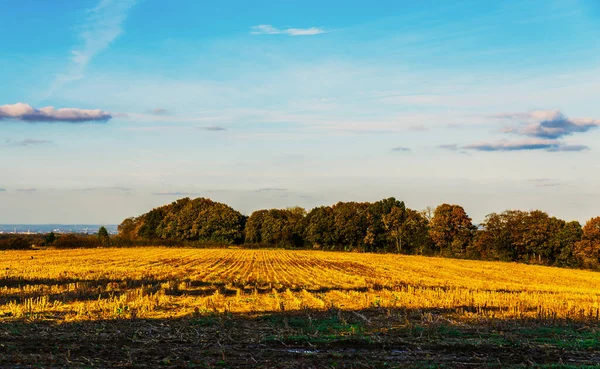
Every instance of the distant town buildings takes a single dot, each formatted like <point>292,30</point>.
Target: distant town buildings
<point>29,229</point>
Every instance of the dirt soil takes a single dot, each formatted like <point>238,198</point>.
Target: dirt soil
<point>374,338</point>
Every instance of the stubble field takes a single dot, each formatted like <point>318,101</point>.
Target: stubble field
<point>275,308</point>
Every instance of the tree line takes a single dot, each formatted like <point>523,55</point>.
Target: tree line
<point>60,241</point>
<point>382,226</point>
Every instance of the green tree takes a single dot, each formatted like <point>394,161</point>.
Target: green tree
<point>563,244</point>
<point>376,238</point>
<point>527,236</point>
<point>219,223</point>
<point>150,223</point>
<point>49,239</point>
<point>253,230</point>
<point>395,224</point>
<point>319,227</point>
<point>350,224</point>
<point>416,233</point>
<point>538,231</point>
<point>277,227</point>
<point>168,227</point>
<point>103,236</point>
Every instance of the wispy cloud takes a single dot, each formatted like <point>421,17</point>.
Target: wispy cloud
<point>418,128</point>
<point>545,182</point>
<point>267,29</point>
<point>101,26</point>
<point>540,180</point>
<point>27,113</point>
<point>26,190</point>
<point>213,128</point>
<point>451,147</point>
<point>526,145</point>
<point>115,188</point>
<point>363,131</point>
<point>175,193</point>
<point>271,189</point>
<point>548,124</point>
<point>401,149</point>
<point>160,112</point>
<point>31,142</point>
<point>542,185</point>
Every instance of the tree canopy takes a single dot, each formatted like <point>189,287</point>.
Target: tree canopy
<point>382,226</point>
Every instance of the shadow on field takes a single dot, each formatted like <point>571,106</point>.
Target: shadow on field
<point>75,289</point>
<point>370,338</point>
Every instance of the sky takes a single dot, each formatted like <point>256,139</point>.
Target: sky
<point>110,108</point>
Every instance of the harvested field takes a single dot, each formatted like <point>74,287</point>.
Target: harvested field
<point>275,308</point>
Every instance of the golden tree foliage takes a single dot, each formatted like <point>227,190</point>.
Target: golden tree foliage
<point>588,249</point>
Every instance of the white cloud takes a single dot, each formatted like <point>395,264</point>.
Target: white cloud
<point>304,31</point>
<point>267,29</point>
<point>27,113</point>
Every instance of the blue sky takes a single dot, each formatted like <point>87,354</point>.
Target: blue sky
<point>491,105</point>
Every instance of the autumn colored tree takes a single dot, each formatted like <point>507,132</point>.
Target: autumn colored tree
<point>587,250</point>
<point>408,230</point>
<point>451,230</point>
<point>188,220</point>
<point>383,226</point>
<point>127,228</point>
